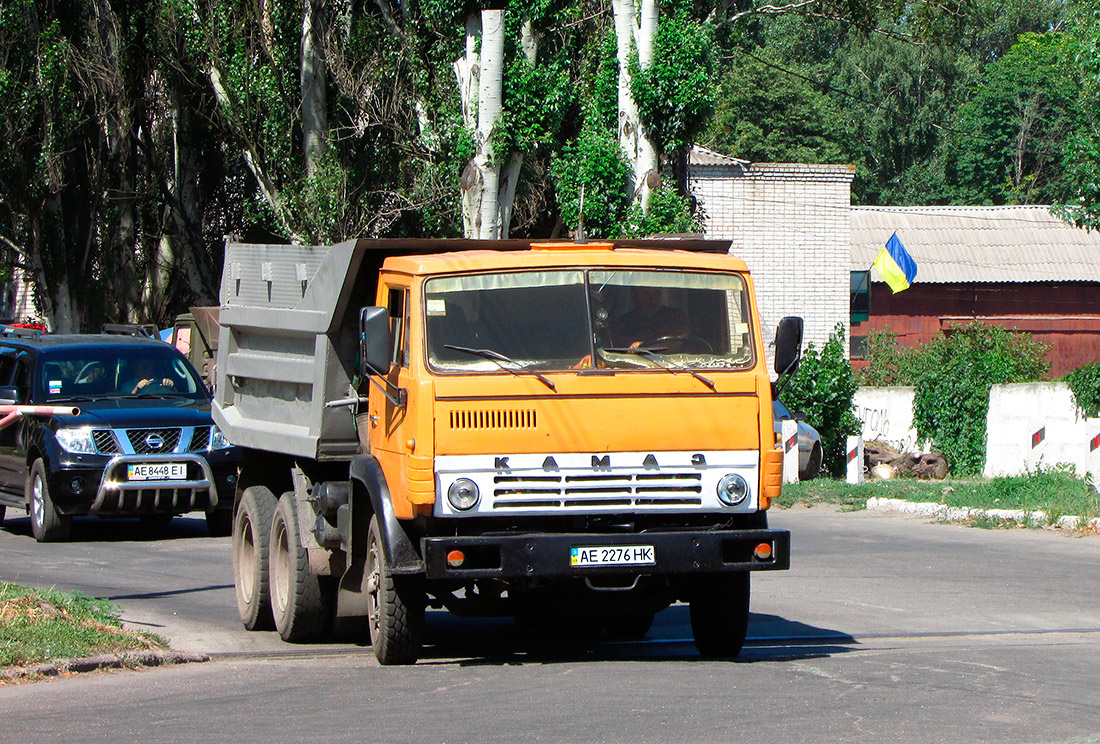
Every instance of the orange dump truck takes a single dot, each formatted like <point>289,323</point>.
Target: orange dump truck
<point>563,433</point>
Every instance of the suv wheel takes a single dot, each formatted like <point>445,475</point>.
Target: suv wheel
<point>46,524</point>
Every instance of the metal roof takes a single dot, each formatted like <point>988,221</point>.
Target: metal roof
<point>962,245</point>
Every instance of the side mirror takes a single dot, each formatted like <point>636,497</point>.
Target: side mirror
<point>9,396</point>
<point>374,340</point>
<point>788,345</point>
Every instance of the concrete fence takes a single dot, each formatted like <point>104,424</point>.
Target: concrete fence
<point>1029,426</point>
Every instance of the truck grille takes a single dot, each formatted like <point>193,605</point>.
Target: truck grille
<point>610,490</point>
<point>494,419</point>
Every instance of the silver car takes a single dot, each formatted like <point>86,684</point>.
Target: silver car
<point>809,442</point>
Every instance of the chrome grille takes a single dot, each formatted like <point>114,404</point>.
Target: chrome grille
<point>105,442</point>
<point>603,490</point>
<point>200,439</point>
<point>139,439</point>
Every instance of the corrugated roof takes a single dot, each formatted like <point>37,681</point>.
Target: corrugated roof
<point>958,245</point>
<point>702,156</point>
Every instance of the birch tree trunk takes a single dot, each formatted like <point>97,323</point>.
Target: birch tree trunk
<point>635,29</point>
<point>467,70</point>
<point>489,107</point>
<point>509,178</point>
<point>312,76</point>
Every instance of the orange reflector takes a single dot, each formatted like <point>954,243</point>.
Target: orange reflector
<point>763,551</point>
<point>456,558</point>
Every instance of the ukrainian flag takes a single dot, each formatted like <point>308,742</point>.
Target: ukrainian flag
<point>894,264</point>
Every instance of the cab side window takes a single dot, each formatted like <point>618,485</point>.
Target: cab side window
<point>398,305</point>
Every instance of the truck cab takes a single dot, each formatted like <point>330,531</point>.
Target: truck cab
<point>550,431</point>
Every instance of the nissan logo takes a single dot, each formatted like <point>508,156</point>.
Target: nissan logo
<point>154,441</point>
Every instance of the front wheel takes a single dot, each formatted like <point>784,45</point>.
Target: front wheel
<point>300,603</point>
<point>46,523</point>
<point>719,613</point>
<point>395,606</point>
<point>251,535</point>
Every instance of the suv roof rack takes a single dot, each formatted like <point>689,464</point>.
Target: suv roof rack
<point>144,330</point>
<point>17,332</point>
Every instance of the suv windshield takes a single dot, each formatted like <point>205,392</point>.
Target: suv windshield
<point>575,319</point>
<point>136,371</point>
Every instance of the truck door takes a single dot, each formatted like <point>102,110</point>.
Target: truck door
<point>392,438</point>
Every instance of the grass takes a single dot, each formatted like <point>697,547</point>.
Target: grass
<point>1056,492</point>
<point>38,625</point>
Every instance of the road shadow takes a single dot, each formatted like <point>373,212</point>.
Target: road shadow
<point>109,529</point>
<point>499,641</point>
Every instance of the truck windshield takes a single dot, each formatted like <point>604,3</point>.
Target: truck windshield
<point>576,319</point>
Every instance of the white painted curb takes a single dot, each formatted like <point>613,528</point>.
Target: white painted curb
<point>944,513</point>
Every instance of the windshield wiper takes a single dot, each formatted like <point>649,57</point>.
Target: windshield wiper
<point>663,362</point>
<point>497,357</point>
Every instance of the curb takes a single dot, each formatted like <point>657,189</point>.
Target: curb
<point>107,661</point>
<point>944,513</point>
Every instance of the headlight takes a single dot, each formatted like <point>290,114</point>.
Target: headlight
<point>733,489</point>
<point>217,439</point>
<point>463,494</point>
<point>77,440</point>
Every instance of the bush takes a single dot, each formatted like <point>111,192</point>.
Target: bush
<point>823,389</point>
<point>887,363</point>
<point>1085,384</point>
<point>953,374</point>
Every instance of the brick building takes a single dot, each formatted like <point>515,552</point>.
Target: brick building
<point>790,222</point>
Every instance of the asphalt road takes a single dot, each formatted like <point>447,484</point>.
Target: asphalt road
<point>885,629</point>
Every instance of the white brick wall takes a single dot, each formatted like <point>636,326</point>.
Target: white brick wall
<point>790,222</point>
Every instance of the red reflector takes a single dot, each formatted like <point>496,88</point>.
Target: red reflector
<point>763,551</point>
<point>455,558</point>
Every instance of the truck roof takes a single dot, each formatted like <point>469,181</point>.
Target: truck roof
<point>556,255</point>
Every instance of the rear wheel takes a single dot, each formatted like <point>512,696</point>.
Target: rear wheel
<point>299,603</point>
<point>395,606</point>
<point>813,465</point>
<point>251,535</point>
<point>719,613</point>
<point>2,510</point>
<point>46,524</point>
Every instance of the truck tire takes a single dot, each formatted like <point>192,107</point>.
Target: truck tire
<point>3,509</point>
<point>301,607</point>
<point>251,535</point>
<point>46,524</point>
<point>395,607</point>
<point>719,611</point>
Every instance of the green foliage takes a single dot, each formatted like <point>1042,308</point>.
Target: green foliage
<point>669,213</point>
<point>536,99</point>
<point>953,374</point>
<point>595,162</point>
<point>1081,203</point>
<point>674,93</point>
<point>1055,491</point>
<point>42,624</point>
<point>887,362</point>
<point>1011,133</point>
<point>823,388</point>
<point>1084,382</point>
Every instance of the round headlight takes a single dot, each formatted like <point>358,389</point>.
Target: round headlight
<point>463,494</point>
<point>733,489</point>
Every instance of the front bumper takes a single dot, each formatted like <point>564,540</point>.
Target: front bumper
<point>548,555</point>
<point>105,490</point>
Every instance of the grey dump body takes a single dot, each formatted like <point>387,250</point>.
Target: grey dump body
<point>289,336</point>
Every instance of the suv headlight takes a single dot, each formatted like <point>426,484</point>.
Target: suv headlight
<point>217,439</point>
<point>77,440</point>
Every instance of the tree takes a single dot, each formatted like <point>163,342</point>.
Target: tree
<point>1081,203</point>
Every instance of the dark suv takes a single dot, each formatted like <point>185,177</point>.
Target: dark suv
<point>142,443</point>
